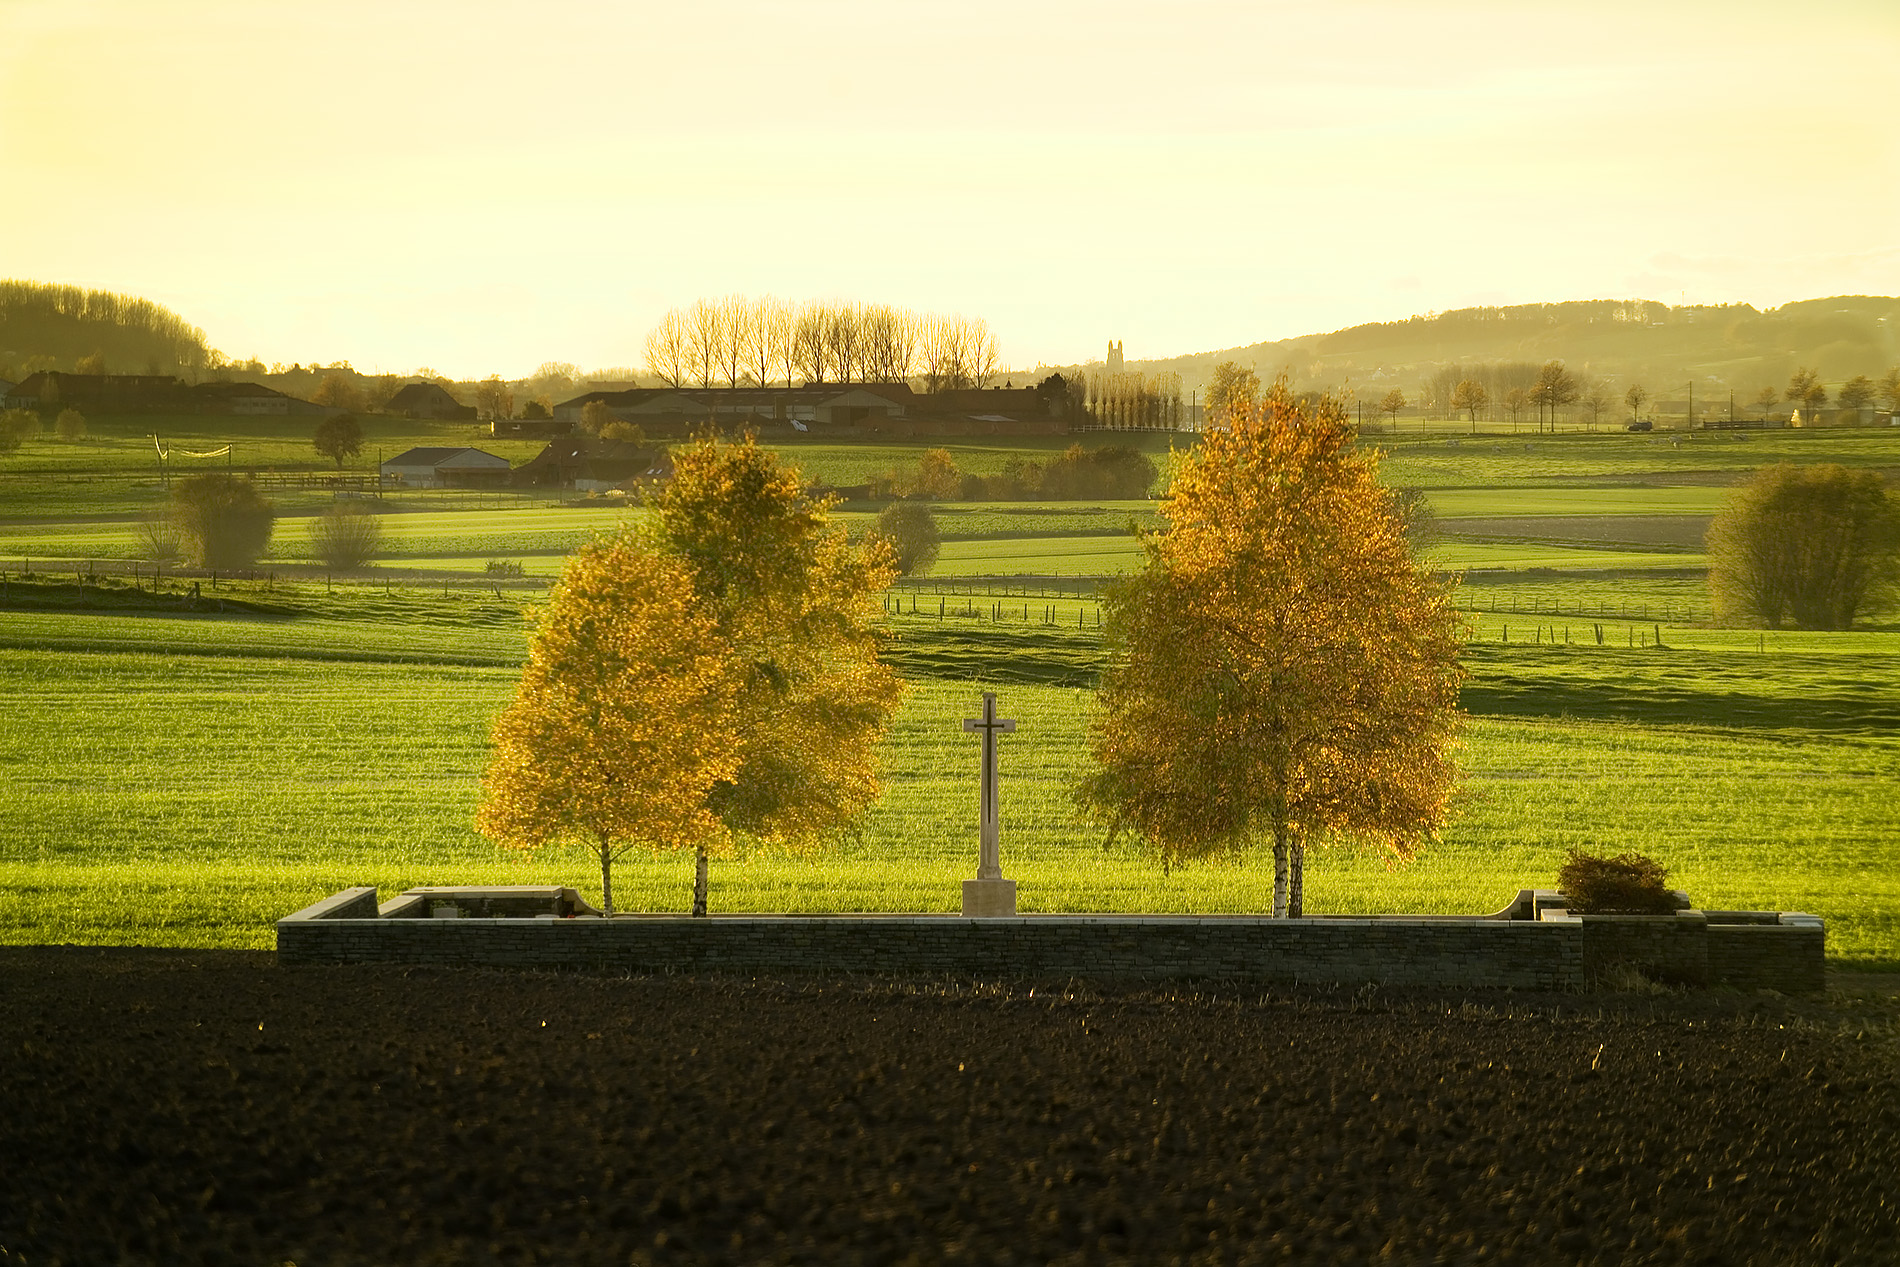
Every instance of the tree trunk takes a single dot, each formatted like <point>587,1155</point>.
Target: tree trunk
<point>1296,879</point>
<point>606,880</point>
<point>699,885</point>
<point>1279,873</point>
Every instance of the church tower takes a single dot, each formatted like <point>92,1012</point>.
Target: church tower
<point>1115,357</point>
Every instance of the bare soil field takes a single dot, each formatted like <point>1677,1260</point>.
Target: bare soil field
<point>212,1107</point>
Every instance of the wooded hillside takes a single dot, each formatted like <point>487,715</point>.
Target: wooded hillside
<point>52,327</point>
<point>1731,346</point>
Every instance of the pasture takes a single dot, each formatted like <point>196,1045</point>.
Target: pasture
<point>184,779</point>
<point>182,776</point>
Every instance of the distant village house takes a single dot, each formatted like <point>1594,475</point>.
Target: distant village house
<point>446,468</point>
<point>428,400</point>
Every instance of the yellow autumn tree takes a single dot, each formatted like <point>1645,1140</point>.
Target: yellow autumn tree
<point>795,602</point>
<point>1281,670</point>
<point>619,730</point>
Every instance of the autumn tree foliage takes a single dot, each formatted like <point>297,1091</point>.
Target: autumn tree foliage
<point>1232,387</point>
<point>1816,545</point>
<point>617,733</point>
<point>711,679</point>
<point>1282,670</point>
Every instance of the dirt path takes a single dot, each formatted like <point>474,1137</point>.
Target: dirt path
<point>163,1107</point>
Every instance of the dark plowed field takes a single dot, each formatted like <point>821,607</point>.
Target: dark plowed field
<point>188,1107</point>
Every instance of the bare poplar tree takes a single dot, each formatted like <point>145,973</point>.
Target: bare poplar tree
<point>668,349</point>
<point>808,344</point>
<point>734,339</point>
<point>703,322</point>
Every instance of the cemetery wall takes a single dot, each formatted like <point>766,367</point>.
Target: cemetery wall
<point>1425,952</point>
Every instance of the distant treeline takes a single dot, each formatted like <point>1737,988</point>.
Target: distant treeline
<point>1113,472</point>
<point>739,341</point>
<point>50,327</point>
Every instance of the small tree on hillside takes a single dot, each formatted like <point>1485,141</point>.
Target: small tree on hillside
<point>1766,399</point>
<point>1232,387</point>
<point>937,475</point>
<point>1856,393</point>
<point>1390,406</point>
<point>494,398</point>
<point>338,390</point>
<point>70,426</point>
<point>224,521</point>
<point>911,529</point>
<point>613,740</point>
<point>345,536</point>
<point>596,417</point>
<point>1281,669</point>
<point>1470,395</point>
<point>1806,391</point>
<point>337,437</point>
<point>1818,545</point>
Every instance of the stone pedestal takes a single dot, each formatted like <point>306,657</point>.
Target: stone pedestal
<point>983,898</point>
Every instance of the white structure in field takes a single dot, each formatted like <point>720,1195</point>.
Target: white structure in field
<point>989,894</point>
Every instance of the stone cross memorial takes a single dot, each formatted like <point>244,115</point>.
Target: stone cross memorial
<point>989,893</point>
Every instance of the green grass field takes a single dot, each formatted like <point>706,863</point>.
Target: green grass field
<point>184,780</point>
<point>183,777</point>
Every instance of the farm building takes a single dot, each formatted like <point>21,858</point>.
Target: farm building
<point>428,400</point>
<point>594,466</point>
<point>148,393</point>
<point>672,408</point>
<point>252,399</point>
<point>446,468</point>
<point>885,408</point>
<point>108,393</point>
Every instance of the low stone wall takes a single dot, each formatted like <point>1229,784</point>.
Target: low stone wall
<point>1560,953</point>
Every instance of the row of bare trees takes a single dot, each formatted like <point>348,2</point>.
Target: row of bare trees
<point>739,341</point>
<point>1132,399</point>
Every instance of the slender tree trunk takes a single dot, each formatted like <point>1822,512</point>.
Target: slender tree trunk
<point>699,885</point>
<point>606,879</point>
<point>1279,872</point>
<point>1296,879</point>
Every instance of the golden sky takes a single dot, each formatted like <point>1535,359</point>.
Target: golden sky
<point>482,185</point>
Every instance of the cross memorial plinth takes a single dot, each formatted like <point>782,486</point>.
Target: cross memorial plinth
<point>989,894</point>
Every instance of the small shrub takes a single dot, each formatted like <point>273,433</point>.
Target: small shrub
<point>1627,884</point>
<point>224,521</point>
<point>346,537</point>
<point>70,425</point>
<point>504,567</point>
<point>159,538</point>
<point>912,531</point>
<point>630,432</point>
<point>17,425</point>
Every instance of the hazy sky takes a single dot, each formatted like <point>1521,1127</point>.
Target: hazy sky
<point>481,185</point>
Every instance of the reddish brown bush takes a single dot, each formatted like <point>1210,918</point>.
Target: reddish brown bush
<point>1627,884</point>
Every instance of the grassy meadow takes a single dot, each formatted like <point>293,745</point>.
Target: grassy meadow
<point>183,775</point>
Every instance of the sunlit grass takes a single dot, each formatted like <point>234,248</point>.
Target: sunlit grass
<point>191,799</point>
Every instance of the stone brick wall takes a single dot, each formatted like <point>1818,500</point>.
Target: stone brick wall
<point>1791,958</point>
<point>1564,953</point>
